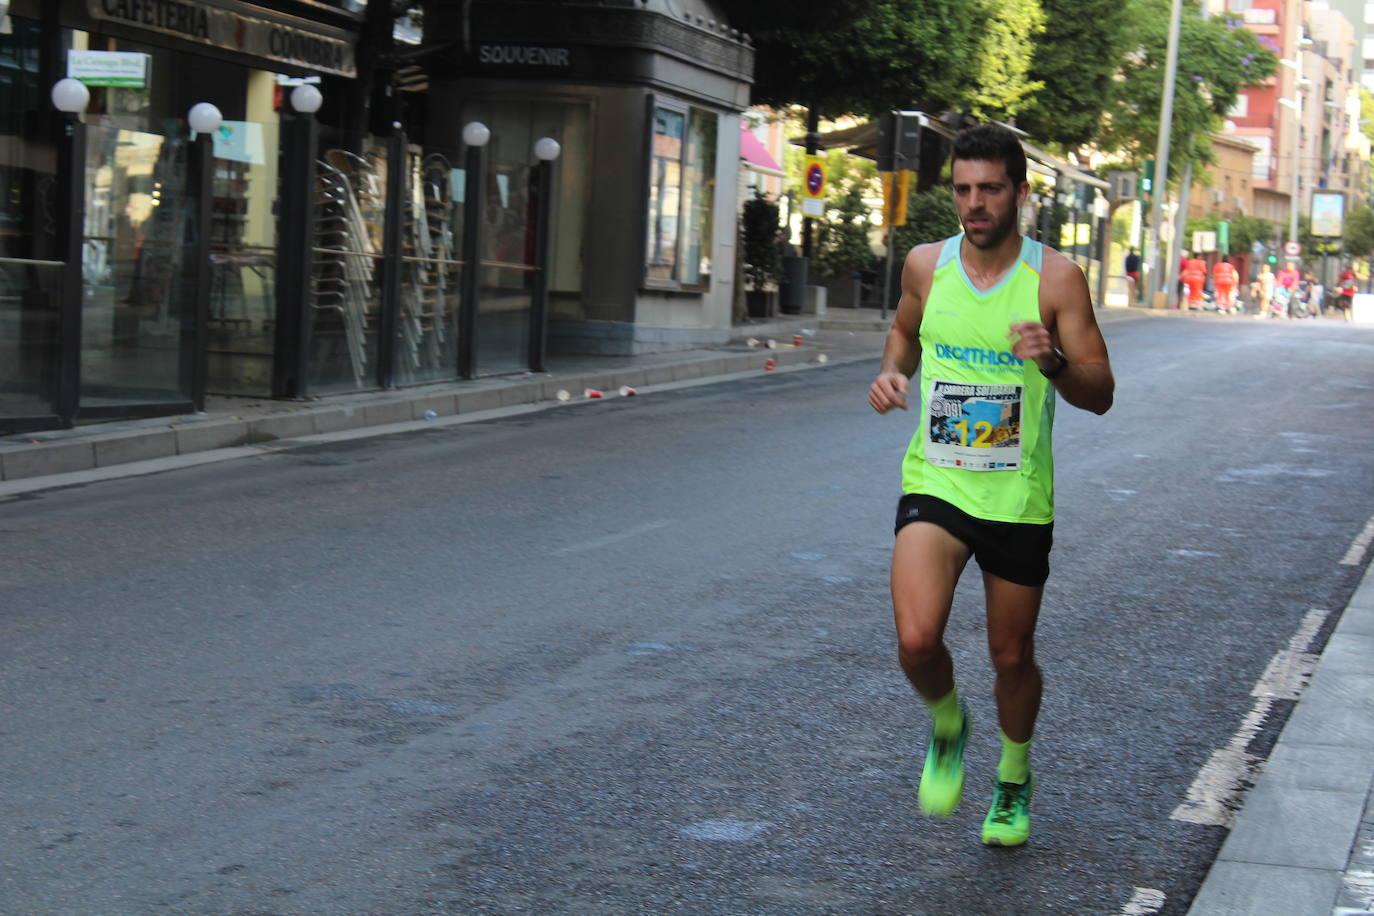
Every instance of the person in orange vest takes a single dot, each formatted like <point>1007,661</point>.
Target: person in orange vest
<point>1195,277</point>
<point>1224,280</point>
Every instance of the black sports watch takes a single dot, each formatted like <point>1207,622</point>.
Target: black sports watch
<point>1063,364</point>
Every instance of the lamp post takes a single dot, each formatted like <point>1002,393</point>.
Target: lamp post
<point>546,150</point>
<point>1295,104</point>
<point>70,97</point>
<point>204,119</point>
<point>1154,259</point>
<point>476,135</point>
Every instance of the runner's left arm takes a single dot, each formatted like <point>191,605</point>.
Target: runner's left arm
<point>1068,324</point>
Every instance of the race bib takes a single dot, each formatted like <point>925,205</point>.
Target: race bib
<point>974,427</point>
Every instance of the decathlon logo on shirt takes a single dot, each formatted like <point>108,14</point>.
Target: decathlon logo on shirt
<point>978,357</point>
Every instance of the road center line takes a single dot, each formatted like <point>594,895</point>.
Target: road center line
<point>1355,554</point>
<point>597,543</point>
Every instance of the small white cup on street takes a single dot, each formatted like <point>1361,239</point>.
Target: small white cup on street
<point>563,394</point>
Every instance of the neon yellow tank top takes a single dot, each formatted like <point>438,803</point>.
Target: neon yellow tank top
<point>984,443</point>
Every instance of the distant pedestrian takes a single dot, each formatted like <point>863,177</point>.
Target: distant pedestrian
<point>1345,292</point>
<point>1224,280</point>
<point>983,316</point>
<point>1133,273</point>
<point>1265,281</point>
<point>1316,292</point>
<point>1194,276</point>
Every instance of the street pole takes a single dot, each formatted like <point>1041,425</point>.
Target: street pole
<point>1166,117</point>
<point>813,145</point>
<point>1297,144</point>
<point>1180,232</point>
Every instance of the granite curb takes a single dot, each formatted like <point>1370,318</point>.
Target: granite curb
<point>1303,844</point>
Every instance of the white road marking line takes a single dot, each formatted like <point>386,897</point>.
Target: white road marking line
<point>1361,543</point>
<point>597,543</point>
<point>1360,885</point>
<point>1215,794</point>
<point>1144,902</point>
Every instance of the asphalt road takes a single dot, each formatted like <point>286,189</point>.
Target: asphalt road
<point>635,656</point>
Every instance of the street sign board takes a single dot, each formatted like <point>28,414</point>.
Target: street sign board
<point>123,69</point>
<point>899,140</point>
<point>1328,213</point>
<point>1123,185</point>
<point>896,190</point>
<point>1204,240</point>
<point>1292,249</point>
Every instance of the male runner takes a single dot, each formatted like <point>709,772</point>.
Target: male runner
<point>997,324</point>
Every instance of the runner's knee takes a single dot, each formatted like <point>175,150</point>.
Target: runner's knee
<point>919,646</point>
<point>1013,658</point>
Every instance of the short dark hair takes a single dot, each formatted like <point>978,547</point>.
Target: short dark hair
<point>992,143</point>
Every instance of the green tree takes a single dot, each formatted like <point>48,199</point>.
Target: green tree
<point>1217,58</point>
<point>930,217</point>
<point>1076,60</point>
<point>1359,230</point>
<point>844,237</point>
<point>762,259</point>
<point>1244,231</point>
<point>971,56</point>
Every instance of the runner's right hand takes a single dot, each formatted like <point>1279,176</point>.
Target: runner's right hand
<point>888,391</point>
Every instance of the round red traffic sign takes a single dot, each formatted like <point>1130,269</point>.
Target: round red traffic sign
<point>1292,249</point>
<point>815,179</point>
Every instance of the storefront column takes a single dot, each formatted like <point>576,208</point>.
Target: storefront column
<point>200,176</point>
<point>71,176</point>
<point>475,136</point>
<point>296,239</point>
<point>546,150</point>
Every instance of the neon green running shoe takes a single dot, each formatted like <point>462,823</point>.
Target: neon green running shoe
<point>942,778</point>
<point>1008,820</point>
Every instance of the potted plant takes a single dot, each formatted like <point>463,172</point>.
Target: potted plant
<point>762,258</point>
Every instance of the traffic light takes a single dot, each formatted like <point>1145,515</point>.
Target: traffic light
<point>1147,177</point>
<point>1272,259</point>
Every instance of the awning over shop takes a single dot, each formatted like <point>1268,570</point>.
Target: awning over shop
<point>862,140</point>
<point>754,155</point>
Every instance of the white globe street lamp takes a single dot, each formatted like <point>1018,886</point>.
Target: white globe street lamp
<point>547,149</point>
<point>204,118</point>
<point>70,95</point>
<point>475,133</point>
<point>306,98</point>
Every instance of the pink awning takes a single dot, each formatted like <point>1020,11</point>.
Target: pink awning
<point>755,154</point>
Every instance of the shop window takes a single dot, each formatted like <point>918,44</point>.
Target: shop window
<point>682,183</point>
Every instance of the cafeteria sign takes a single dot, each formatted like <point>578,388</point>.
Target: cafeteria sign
<point>125,69</point>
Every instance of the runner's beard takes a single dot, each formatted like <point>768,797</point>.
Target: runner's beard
<point>995,234</point>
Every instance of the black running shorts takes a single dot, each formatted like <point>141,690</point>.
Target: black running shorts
<point>1015,551</point>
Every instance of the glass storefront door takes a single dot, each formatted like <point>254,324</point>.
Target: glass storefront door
<point>30,280</point>
<point>431,273</point>
<point>243,259</point>
<point>140,273</point>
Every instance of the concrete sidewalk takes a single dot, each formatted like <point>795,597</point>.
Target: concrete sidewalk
<point>1303,844</point>
<point>231,426</point>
